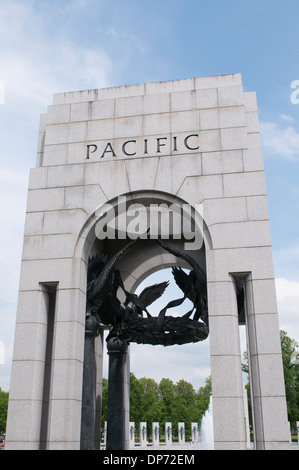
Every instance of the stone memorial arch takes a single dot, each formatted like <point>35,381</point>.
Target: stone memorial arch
<point>188,143</point>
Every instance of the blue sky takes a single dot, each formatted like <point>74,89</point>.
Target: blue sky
<point>59,45</point>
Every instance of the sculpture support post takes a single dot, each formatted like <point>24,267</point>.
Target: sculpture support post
<point>99,388</point>
<point>89,384</point>
<point>118,396</point>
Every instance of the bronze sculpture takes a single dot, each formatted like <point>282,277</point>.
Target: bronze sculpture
<point>128,323</point>
<point>126,319</point>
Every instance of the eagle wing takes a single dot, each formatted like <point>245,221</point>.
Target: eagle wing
<point>181,278</point>
<point>107,269</point>
<point>152,293</point>
<point>95,264</point>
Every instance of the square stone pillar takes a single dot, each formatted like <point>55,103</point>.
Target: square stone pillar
<point>181,433</point>
<point>66,383</point>
<point>270,421</point>
<point>168,434</point>
<point>194,432</point>
<point>26,396</point>
<point>131,434</point>
<point>155,434</point>
<point>227,389</point>
<point>143,434</point>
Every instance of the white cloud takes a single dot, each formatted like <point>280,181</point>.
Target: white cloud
<point>288,306</point>
<point>8,317</point>
<point>190,362</point>
<point>286,117</point>
<point>35,64</point>
<point>37,58</point>
<point>13,188</point>
<point>286,262</point>
<point>284,142</point>
<point>287,290</point>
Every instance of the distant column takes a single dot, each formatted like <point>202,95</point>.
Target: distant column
<point>132,434</point>
<point>156,434</point>
<point>143,434</point>
<point>181,433</point>
<point>194,432</point>
<point>105,434</point>
<point>168,434</point>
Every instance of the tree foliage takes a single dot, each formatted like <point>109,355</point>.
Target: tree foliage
<point>162,402</point>
<point>3,410</point>
<point>290,359</point>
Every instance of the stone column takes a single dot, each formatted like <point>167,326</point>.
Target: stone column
<point>105,434</point>
<point>270,420</point>
<point>143,434</point>
<point>89,385</point>
<point>156,433</point>
<point>181,433</point>
<point>118,396</point>
<point>25,408</point>
<point>168,434</point>
<point>227,386</point>
<point>99,382</point>
<point>132,434</point>
<point>194,432</point>
<point>65,401</point>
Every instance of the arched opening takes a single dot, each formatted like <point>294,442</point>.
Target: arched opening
<point>146,261</point>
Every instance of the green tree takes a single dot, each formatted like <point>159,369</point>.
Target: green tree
<point>3,409</point>
<point>150,402</point>
<point>290,359</point>
<point>166,397</point>
<point>136,400</point>
<point>203,398</point>
<point>184,406</point>
<point>166,401</point>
